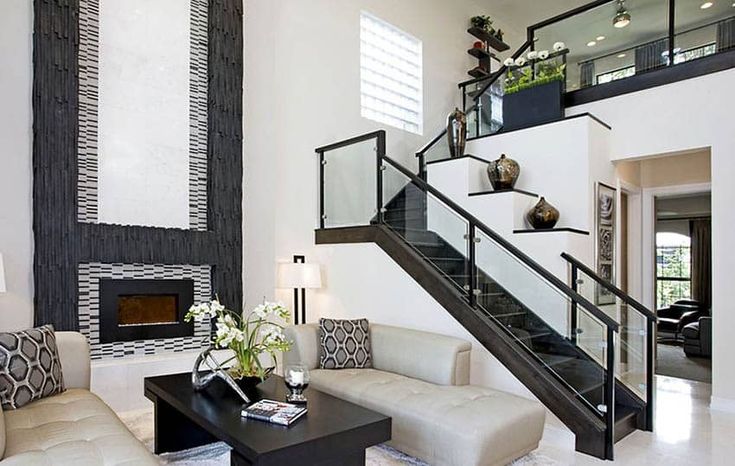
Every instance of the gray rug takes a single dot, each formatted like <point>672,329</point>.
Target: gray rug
<point>671,361</point>
<point>140,424</point>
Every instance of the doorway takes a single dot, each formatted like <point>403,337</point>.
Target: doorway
<point>683,286</point>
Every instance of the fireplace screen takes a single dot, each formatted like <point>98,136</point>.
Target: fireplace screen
<point>132,309</point>
<point>147,310</point>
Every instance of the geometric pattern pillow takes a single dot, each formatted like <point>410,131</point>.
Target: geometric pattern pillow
<point>345,344</point>
<point>30,368</point>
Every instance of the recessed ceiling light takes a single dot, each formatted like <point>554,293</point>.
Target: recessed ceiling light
<point>706,5</point>
<point>622,55</point>
<point>591,43</point>
<point>599,38</point>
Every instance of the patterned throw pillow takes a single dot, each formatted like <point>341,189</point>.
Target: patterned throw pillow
<point>345,344</point>
<point>30,368</point>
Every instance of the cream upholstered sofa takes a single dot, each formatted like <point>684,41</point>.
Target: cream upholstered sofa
<point>420,380</point>
<point>72,428</point>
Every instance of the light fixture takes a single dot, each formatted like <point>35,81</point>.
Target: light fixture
<point>591,43</point>
<point>299,276</point>
<point>706,5</point>
<point>622,55</point>
<point>3,289</point>
<point>622,17</point>
<point>599,38</point>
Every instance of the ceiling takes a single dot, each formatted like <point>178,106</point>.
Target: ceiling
<point>697,205</point>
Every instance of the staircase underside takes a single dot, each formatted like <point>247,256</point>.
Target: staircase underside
<point>588,428</point>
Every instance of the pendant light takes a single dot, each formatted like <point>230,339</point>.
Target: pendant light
<point>622,17</point>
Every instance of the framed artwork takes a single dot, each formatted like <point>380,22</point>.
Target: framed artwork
<point>605,241</point>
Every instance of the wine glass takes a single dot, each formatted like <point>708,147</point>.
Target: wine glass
<point>296,377</point>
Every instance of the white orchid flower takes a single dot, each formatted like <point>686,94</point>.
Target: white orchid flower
<point>559,46</point>
<point>532,55</point>
<point>543,55</point>
<point>509,62</point>
<point>520,61</point>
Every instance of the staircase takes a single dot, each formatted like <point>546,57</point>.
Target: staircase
<point>557,343</point>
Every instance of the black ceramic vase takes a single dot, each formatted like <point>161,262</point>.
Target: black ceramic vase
<point>543,215</point>
<point>503,173</point>
<point>456,132</point>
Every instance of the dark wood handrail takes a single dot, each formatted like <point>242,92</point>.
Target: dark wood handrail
<point>530,263</point>
<point>354,140</point>
<point>610,287</point>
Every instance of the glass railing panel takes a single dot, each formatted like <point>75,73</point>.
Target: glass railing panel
<point>539,316</point>
<point>699,32</point>
<point>438,151</point>
<point>428,225</point>
<point>350,196</point>
<point>631,354</point>
<point>597,47</point>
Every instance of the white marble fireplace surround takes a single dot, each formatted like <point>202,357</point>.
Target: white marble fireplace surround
<point>89,306</point>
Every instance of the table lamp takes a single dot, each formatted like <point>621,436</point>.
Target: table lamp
<point>299,275</point>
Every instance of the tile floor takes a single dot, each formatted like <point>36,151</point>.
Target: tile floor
<point>686,432</point>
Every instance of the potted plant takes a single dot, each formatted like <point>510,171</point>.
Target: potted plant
<point>249,336</point>
<point>534,87</point>
<point>486,24</point>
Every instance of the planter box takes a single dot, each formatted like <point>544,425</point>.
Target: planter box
<point>533,106</point>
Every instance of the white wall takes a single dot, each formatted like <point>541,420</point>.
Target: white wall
<point>302,90</point>
<point>363,281</point>
<point>143,113</point>
<point>687,115</point>
<point>16,236</point>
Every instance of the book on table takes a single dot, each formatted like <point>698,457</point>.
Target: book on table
<point>276,412</point>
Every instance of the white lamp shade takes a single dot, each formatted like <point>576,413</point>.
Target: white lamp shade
<point>292,275</point>
<point>2,276</point>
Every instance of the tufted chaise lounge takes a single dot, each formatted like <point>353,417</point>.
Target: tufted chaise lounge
<point>420,380</point>
<point>72,428</point>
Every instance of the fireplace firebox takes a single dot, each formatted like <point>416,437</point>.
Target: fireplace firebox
<point>144,309</point>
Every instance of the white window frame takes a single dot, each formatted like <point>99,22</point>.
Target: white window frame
<point>391,75</point>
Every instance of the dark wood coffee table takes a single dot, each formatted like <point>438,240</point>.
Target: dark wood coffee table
<point>333,432</point>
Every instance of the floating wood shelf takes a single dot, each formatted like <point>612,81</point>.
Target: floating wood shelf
<point>478,73</point>
<point>553,230</point>
<point>501,191</point>
<point>492,41</point>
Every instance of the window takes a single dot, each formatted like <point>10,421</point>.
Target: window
<point>673,268</point>
<point>391,75</point>
<point>691,54</point>
<point>615,75</point>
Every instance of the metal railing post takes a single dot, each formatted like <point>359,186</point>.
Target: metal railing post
<point>650,376</point>
<point>472,273</point>
<point>322,162</point>
<point>379,153</point>
<point>573,318</point>
<point>610,395</point>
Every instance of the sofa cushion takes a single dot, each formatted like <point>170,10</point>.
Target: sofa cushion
<point>344,343</point>
<point>29,366</point>
<point>691,331</point>
<point>72,428</point>
<point>447,425</point>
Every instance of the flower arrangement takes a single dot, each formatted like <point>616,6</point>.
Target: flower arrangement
<point>535,69</point>
<point>248,335</point>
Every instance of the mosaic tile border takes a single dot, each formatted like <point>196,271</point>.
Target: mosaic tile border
<point>87,148</point>
<point>91,273</point>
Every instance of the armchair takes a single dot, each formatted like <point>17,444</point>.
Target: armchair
<point>674,318</point>
<point>698,338</point>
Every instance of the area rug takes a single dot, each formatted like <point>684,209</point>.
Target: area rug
<point>671,361</point>
<point>140,424</point>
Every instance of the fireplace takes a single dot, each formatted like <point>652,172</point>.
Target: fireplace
<point>133,309</point>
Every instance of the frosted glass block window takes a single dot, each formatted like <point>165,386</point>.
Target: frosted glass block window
<point>391,75</point>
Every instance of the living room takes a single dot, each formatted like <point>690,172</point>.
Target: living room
<point>159,160</point>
